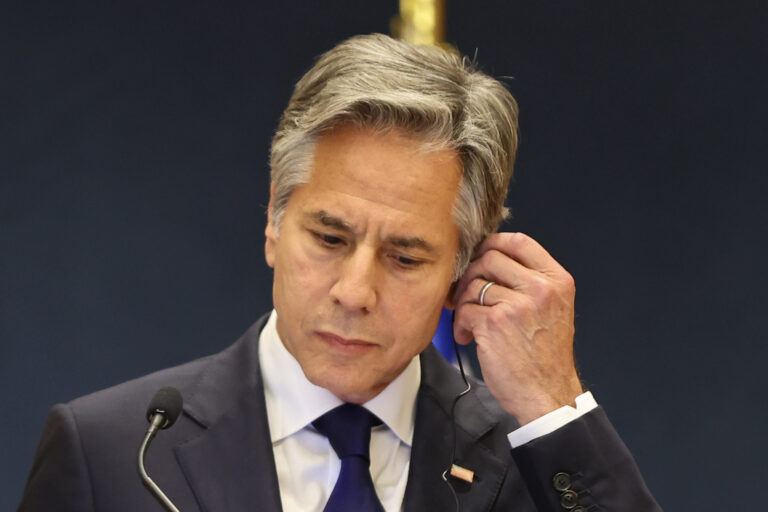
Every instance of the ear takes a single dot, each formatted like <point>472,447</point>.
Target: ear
<point>269,232</point>
<point>449,304</point>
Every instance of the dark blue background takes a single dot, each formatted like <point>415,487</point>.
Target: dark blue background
<point>133,163</point>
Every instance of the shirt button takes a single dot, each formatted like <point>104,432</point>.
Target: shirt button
<point>562,481</point>
<point>569,499</point>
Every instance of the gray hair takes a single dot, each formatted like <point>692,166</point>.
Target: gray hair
<point>429,93</point>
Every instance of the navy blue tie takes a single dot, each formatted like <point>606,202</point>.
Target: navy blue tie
<point>348,428</point>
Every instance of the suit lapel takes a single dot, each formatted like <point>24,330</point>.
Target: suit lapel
<point>230,465</point>
<point>433,444</point>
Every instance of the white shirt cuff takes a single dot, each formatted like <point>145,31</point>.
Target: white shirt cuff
<point>552,421</point>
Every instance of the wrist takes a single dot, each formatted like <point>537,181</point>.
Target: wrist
<point>536,405</point>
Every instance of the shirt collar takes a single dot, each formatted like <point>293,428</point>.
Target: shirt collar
<point>293,402</point>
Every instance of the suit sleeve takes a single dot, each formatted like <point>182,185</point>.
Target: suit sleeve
<point>583,464</point>
<point>59,479</point>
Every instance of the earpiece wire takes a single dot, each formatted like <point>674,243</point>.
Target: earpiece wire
<point>453,417</point>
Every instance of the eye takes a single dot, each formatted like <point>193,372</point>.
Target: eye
<point>327,240</point>
<point>406,262</point>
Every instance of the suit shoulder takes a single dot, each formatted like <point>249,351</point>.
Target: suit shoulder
<point>182,376</point>
<point>129,399</point>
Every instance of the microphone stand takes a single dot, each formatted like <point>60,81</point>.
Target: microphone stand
<point>158,420</point>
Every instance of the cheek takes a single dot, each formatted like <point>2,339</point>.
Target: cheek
<point>427,296</point>
<point>298,278</point>
<point>417,311</point>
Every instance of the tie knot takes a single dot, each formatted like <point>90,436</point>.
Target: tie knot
<point>348,428</point>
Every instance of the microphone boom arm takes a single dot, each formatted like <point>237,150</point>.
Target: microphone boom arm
<point>158,421</point>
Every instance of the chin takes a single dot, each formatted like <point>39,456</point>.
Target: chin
<point>349,389</point>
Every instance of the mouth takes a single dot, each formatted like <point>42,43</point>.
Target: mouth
<point>345,345</point>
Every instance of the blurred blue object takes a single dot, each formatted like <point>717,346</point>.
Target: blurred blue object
<point>443,338</point>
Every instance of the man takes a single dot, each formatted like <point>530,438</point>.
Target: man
<point>389,171</point>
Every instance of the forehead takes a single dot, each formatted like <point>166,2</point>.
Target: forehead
<point>365,176</point>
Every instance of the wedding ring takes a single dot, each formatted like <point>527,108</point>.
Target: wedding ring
<point>484,290</point>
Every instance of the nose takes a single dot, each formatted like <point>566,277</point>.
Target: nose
<point>355,286</point>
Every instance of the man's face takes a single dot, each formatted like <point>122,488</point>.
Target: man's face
<point>364,260</point>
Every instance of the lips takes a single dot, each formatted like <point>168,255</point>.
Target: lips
<point>345,345</point>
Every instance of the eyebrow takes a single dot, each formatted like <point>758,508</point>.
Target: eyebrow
<point>413,242</point>
<point>403,242</point>
<point>326,219</point>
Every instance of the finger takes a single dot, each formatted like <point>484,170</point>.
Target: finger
<point>465,322</point>
<point>521,248</point>
<point>473,321</point>
<point>494,294</point>
<point>497,267</point>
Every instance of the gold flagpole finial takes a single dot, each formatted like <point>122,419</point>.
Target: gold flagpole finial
<point>420,22</point>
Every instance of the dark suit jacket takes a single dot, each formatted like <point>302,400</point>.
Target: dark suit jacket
<point>218,456</point>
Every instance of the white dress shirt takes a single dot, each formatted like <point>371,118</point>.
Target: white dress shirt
<point>307,467</point>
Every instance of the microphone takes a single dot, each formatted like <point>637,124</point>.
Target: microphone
<point>162,413</point>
